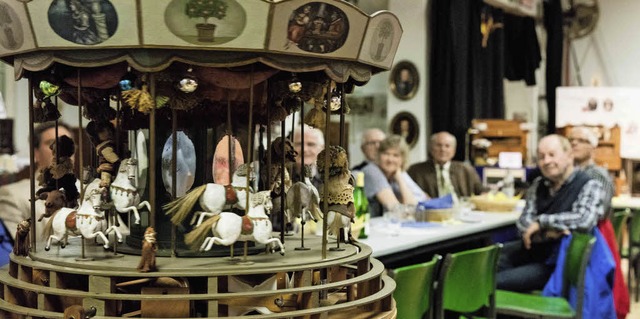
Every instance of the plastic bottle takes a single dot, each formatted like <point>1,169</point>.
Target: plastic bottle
<point>509,185</point>
<point>362,206</point>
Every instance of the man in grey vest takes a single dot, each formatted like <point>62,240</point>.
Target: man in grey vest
<point>560,201</point>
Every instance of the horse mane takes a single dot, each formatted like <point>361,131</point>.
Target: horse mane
<point>260,198</point>
<point>196,237</point>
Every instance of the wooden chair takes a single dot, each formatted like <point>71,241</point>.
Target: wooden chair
<point>536,306</point>
<point>619,221</point>
<point>414,289</point>
<point>467,283</point>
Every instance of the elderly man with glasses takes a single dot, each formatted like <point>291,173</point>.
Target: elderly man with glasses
<point>371,139</point>
<point>583,144</point>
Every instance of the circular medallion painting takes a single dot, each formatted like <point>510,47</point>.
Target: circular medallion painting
<point>86,22</point>
<point>205,22</point>
<point>317,27</point>
<point>11,36</point>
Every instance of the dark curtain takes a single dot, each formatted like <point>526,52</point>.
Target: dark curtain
<point>553,75</point>
<point>466,79</point>
<point>521,49</point>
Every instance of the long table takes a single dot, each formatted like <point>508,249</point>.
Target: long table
<point>419,241</point>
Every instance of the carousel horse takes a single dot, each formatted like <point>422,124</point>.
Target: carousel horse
<point>229,227</point>
<point>213,198</point>
<point>124,193</point>
<point>85,221</point>
<point>302,201</point>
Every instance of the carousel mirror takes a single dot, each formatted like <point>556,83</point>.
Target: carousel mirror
<point>185,164</point>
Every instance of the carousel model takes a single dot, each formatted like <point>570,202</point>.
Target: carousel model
<point>191,76</point>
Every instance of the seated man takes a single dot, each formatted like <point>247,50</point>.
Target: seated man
<point>371,139</point>
<point>562,200</point>
<point>440,175</point>
<point>583,143</point>
<point>15,205</point>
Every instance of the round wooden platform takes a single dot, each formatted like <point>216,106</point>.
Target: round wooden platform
<point>347,284</point>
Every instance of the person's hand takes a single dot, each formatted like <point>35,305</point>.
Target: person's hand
<point>398,175</point>
<point>531,230</point>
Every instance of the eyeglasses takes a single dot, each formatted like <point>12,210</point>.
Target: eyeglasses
<point>372,143</point>
<point>579,140</point>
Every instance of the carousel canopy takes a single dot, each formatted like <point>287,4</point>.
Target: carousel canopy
<point>152,35</point>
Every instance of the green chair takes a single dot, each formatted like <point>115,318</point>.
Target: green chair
<point>414,289</point>
<point>619,221</point>
<point>634,253</point>
<point>535,306</point>
<point>467,283</point>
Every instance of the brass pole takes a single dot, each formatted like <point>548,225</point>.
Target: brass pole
<point>32,171</point>
<point>152,153</point>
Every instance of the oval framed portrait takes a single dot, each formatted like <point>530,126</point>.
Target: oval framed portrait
<point>405,125</point>
<point>404,80</point>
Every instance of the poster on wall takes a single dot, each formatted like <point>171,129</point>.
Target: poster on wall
<point>606,106</point>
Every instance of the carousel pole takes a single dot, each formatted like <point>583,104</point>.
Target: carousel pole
<point>250,158</point>
<point>302,175</point>
<point>229,131</point>
<point>283,225</point>
<point>80,159</point>
<point>325,173</point>
<point>231,144</point>
<point>83,252</point>
<point>152,153</point>
<point>174,173</point>
<point>343,136</point>
<point>32,172</point>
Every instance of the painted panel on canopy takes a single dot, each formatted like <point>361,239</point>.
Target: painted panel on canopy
<point>16,33</point>
<point>234,24</point>
<point>84,24</point>
<point>318,28</point>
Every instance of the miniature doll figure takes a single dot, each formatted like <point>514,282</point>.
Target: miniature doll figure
<point>22,244</point>
<point>340,190</point>
<point>149,248</point>
<point>101,135</point>
<point>60,173</point>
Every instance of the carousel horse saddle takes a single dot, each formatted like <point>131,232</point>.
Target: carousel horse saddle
<point>247,225</point>
<point>70,221</point>
<point>230,194</point>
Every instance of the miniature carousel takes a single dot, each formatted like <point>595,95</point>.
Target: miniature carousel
<point>184,181</point>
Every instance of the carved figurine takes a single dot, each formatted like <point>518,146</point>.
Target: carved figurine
<point>78,312</point>
<point>340,194</point>
<point>149,248</point>
<point>101,135</point>
<point>60,173</point>
<point>22,243</point>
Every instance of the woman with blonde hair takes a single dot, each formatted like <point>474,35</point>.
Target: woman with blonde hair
<point>387,183</point>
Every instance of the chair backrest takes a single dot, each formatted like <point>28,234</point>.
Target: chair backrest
<point>414,288</point>
<point>618,221</point>
<point>467,282</point>
<point>634,230</point>
<point>575,267</point>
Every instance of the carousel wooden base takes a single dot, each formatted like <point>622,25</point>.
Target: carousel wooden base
<point>347,284</point>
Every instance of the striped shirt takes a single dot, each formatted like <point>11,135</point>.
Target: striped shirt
<point>583,215</point>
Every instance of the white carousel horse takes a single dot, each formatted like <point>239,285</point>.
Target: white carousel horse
<point>213,198</point>
<point>124,193</point>
<point>228,227</point>
<point>85,221</point>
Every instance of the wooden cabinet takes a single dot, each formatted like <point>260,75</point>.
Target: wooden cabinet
<point>504,135</point>
<point>607,153</point>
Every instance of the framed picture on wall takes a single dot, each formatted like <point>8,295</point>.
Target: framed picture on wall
<point>405,125</point>
<point>404,80</point>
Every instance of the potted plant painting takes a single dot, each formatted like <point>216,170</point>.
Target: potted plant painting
<point>206,9</point>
